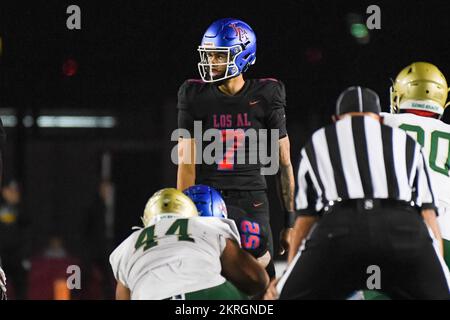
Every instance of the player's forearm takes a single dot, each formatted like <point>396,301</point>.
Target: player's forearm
<point>429,216</point>
<point>186,166</point>
<point>243,270</point>
<point>301,230</point>
<point>287,186</point>
<point>254,280</point>
<point>252,283</point>
<point>286,182</point>
<point>185,176</point>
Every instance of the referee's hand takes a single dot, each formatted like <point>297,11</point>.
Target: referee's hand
<point>285,238</point>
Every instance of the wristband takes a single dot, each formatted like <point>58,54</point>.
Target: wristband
<point>289,219</point>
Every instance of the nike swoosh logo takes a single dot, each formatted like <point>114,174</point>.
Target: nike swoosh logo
<point>258,204</point>
<point>252,103</point>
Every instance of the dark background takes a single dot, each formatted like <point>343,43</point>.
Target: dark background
<point>133,55</point>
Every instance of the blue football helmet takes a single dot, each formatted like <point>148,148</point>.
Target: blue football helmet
<point>208,201</point>
<point>227,49</point>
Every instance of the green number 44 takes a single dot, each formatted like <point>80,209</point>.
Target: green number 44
<point>435,137</point>
<point>147,236</point>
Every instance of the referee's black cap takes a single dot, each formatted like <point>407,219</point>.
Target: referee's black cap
<point>358,99</point>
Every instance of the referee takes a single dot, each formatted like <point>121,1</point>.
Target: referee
<point>366,186</point>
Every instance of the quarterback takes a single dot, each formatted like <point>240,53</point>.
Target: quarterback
<point>223,100</point>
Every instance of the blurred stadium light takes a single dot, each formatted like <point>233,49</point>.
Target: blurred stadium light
<point>75,122</point>
<point>357,28</point>
<point>59,121</point>
<point>9,121</point>
<point>70,67</point>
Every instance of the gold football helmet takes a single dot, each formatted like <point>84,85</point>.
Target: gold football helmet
<point>420,86</point>
<point>169,202</point>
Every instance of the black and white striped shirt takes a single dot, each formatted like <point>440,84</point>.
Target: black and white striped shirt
<point>359,158</point>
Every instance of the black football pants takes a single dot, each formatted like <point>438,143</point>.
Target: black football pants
<point>250,211</point>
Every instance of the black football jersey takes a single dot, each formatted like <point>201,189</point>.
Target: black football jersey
<point>259,105</point>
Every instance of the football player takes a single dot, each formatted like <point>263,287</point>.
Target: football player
<point>179,255</point>
<point>225,101</point>
<point>209,202</point>
<point>418,100</point>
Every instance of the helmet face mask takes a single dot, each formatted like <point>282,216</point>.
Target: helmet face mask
<point>394,99</point>
<point>217,64</point>
<point>227,49</point>
<point>419,86</point>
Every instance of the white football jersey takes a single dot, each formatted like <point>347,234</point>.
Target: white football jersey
<point>434,136</point>
<point>173,256</point>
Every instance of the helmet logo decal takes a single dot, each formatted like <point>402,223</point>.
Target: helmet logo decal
<point>241,33</point>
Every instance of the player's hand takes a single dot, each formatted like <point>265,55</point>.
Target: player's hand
<point>271,292</point>
<point>2,285</point>
<point>285,238</point>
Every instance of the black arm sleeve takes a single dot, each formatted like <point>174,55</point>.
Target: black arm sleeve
<point>185,118</point>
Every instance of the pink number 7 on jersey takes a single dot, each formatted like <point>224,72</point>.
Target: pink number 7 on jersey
<point>237,138</point>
